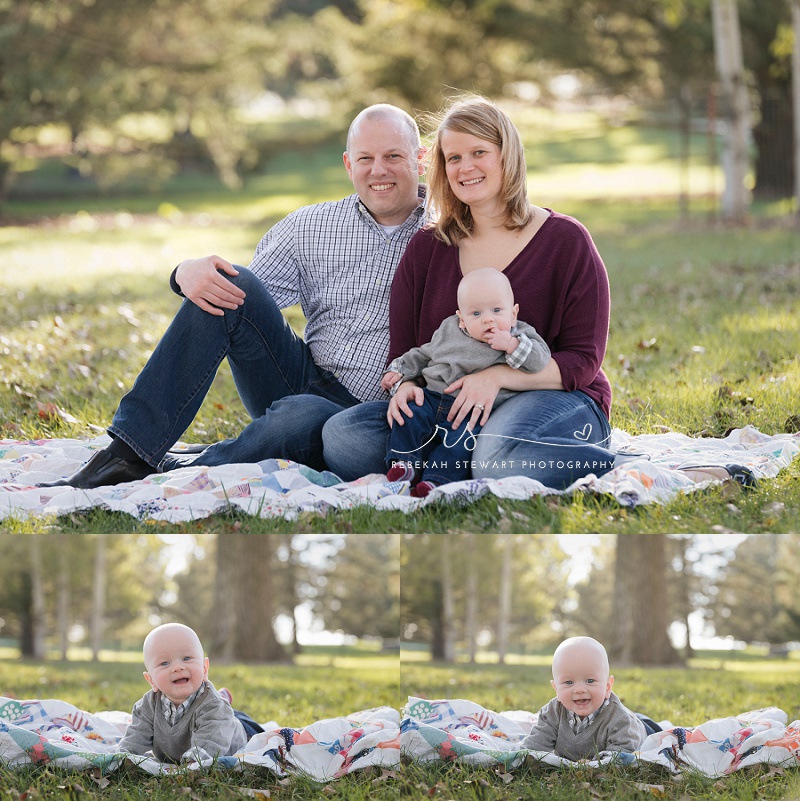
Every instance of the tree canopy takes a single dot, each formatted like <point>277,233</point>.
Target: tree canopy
<point>154,85</point>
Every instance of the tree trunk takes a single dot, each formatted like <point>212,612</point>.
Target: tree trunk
<point>734,107</point>
<point>773,138</point>
<point>437,627</point>
<point>291,567</point>
<point>63,596</point>
<point>253,592</point>
<point>641,608</point>
<point>37,600</point>
<point>684,592</point>
<point>448,616</point>
<point>685,106</point>
<point>472,600</point>
<point>504,609</point>
<point>98,597</point>
<point>221,645</point>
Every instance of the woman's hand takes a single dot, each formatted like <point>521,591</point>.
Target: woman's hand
<point>398,405</point>
<point>476,398</point>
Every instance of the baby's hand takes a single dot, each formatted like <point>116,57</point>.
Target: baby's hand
<point>389,380</point>
<point>502,340</point>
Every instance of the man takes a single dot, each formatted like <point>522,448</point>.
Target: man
<point>336,259</point>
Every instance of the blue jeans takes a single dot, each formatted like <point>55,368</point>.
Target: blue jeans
<point>269,363</point>
<point>251,727</point>
<point>427,442</point>
<point>552,436</point>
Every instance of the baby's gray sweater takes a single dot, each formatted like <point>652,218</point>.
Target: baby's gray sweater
<point>615,728</point>
<point>452,354</point>
<point>208,723</point>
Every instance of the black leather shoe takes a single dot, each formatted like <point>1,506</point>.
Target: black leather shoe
<point>103,470</point>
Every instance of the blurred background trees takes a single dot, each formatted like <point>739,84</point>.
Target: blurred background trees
<point>154,87</point>
<point>59,593</point>
<point>645,596</point>
<point>457,595</point>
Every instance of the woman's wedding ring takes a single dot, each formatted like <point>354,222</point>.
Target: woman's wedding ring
<point>480,406</point>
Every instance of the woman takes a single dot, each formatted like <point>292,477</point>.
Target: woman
<point>556,429</point>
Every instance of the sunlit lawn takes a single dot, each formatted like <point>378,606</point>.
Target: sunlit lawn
<point>715,684</point>
<point>323,683</point>
<point>704,327</point>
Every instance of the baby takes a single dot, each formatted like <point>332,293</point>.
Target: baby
<point>585,720</point>
<point>184,717</point>
<point>484,331</point>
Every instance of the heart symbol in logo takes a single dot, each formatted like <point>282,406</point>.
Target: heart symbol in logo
<point>584,434</point>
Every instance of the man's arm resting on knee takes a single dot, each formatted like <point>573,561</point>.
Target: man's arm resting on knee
<point>203,282</point>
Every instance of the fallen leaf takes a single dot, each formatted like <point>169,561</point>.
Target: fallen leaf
<point>658,790</point>
<point>252,792</point>
<point>21,392</point>
<point>637,404</point>
<point>50,411</point>
<point>101,781</point>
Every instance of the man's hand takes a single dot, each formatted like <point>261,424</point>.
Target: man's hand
<point>203,281</point>
<point>390,378</point>
<point>502,340</point>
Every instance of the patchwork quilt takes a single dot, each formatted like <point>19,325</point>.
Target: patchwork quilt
<point>279,488</point>
<point>53,732</point>
<point>463,731</point>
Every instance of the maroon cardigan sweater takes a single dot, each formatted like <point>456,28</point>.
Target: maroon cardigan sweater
<point>559,281</point>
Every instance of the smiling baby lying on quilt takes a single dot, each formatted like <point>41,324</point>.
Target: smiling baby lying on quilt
<point>183,717</point>
<point>585,720</point>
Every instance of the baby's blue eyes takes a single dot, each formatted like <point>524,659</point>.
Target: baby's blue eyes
<point>165,663</point>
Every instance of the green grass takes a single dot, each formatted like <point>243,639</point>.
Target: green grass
<point>323,682</point>
<point>704,326</point>
<point>715,684</point>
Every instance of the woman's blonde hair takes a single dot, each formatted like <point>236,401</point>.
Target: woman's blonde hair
<point>479,117</point>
